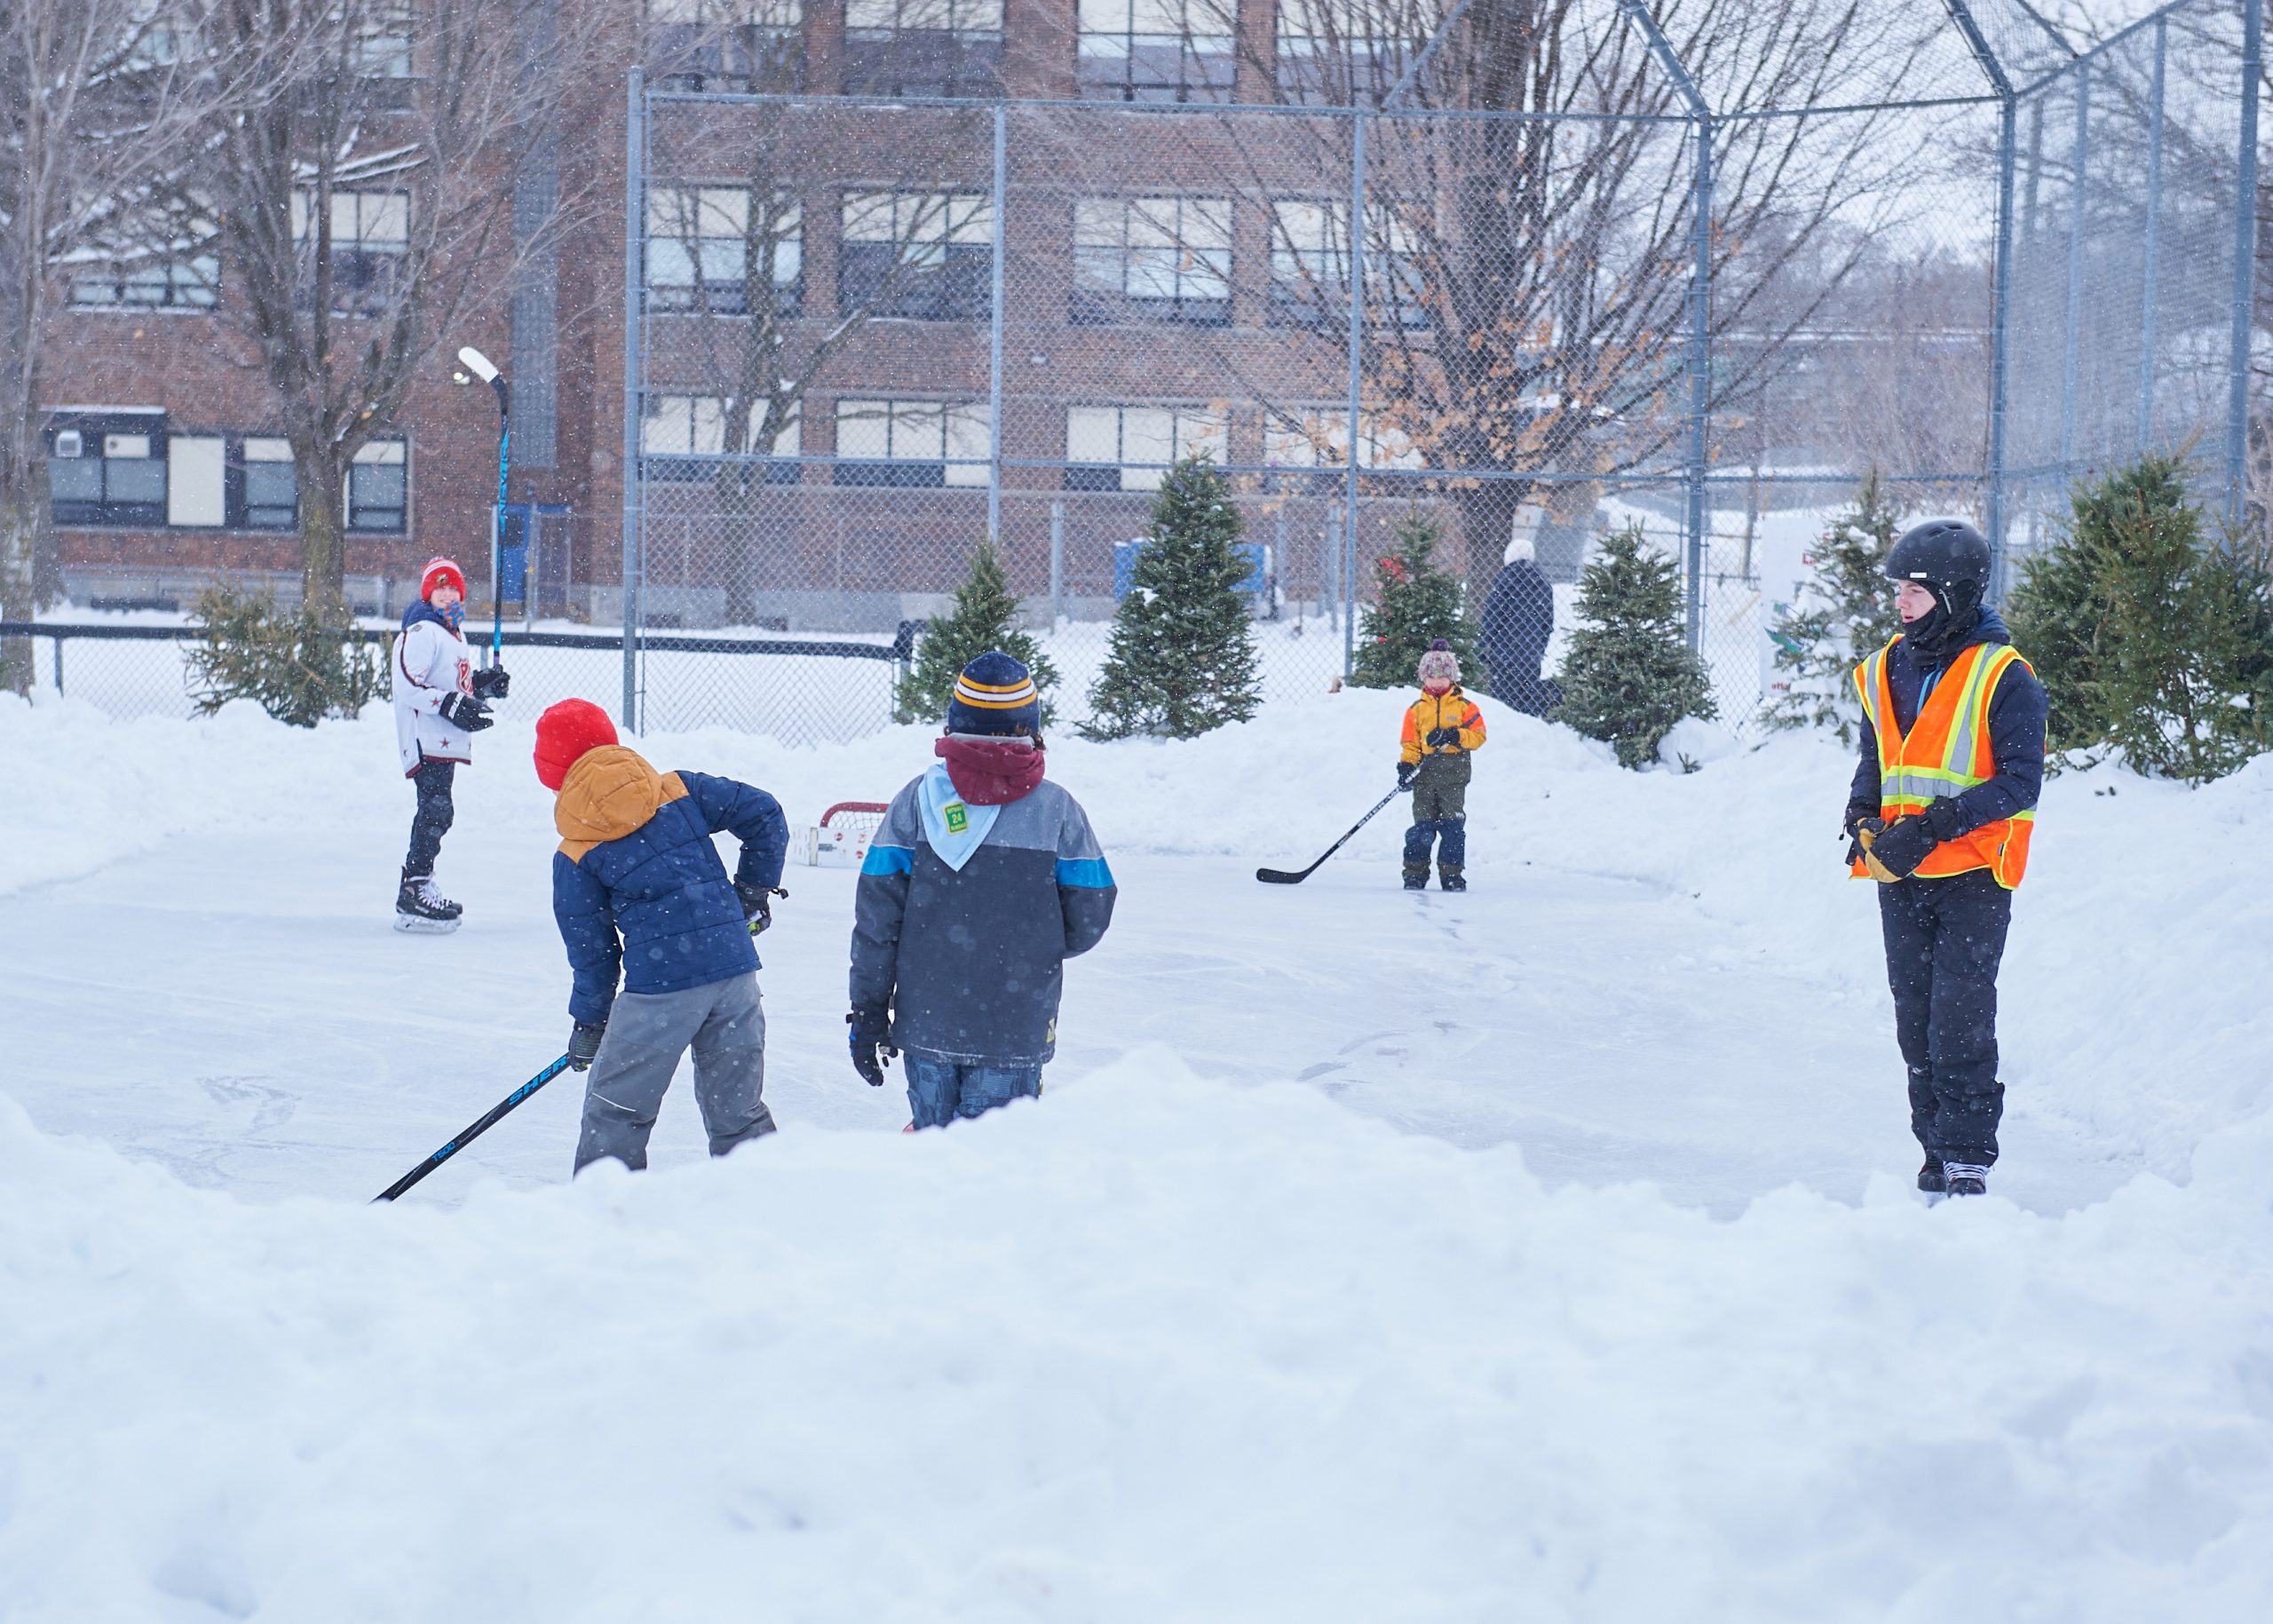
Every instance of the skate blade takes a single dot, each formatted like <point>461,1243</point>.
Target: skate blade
<point>410,924</point>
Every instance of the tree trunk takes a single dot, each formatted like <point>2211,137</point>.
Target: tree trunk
<point>1487,524</point>
<point>19,530</point>
<point>738,489</point>
<point>323,536</point>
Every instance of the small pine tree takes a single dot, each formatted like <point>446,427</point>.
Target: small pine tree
<point>292,662</point>
<point>1417,604</point>
<point>1845,611</point>
<point>985,617</point>
<point>1183,660</point>
<point>1630,675</point>
<point>2150,638</point>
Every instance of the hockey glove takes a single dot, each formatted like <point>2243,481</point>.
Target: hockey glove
<point>871,1053</point>
<point>758,906</point>
<point>464,710</point>
<point>583,1044</point>
<point>1405,774</point>
<point>1894,851</point>
<point>1439,738</point>
<point>493,683</point>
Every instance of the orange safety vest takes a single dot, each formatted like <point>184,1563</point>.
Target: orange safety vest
<point>1946,753</point>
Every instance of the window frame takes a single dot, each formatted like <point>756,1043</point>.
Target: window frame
<point>956,285</point>
<point>372,264</point>
<point>1188,425</point>
<point>919,468</point>
<point>1105,299</point>
<point>399,444</point>
<point>911,59</point>
<point>1193,82</point>
<point>107,510</point>
<point>729,46</point>
<point>704,293</point>
<point>691,463</point>
<point>1291,302</point>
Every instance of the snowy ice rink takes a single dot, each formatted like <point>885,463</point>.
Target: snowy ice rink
<point>1542,1252</point>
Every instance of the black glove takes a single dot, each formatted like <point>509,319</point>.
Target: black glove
<point>758,906</point>
<point>1440,737</point>
<point>871,1052</point>
<point>492,682</point>
<point>583,1044</point>
<point>1858,814</point>
<point>464,710</point>
<point>1405,771</point>
<point>1903,845</point>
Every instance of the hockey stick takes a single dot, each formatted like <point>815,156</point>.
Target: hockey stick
<point>473,1131</point>
<point>1279,876</point>
<point>481,367</point>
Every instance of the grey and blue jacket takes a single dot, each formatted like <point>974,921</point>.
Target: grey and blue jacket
<point>965,916</point>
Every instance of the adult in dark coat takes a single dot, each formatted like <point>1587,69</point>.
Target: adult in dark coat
<point>1518,619</point>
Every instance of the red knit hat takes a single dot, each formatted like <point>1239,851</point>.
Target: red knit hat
<point>564,733</point>
<point>441,572</point>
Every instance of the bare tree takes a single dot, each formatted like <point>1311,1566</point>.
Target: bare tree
<point>362,209</point>
<point>97,94</point>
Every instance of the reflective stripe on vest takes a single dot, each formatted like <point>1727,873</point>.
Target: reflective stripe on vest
<point>1947,752</point>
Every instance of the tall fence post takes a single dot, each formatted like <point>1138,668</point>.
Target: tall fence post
<point>2252,59</point>
<point>635,232</point>
<point>2072,322</point>
<point>1057,565</point>
<point>2151,270</point>
<point>994,336</point>
<point>1356,361</point>
<point>2001,306</point>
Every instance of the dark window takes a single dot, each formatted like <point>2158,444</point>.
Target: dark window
<point>923,47</point>
<point>1090,476</point>
<point>378,488</point>
<point>926,256</point>
<point>268,484</point>
<point>1341,51</point>
<point>107,470</point>
<point>725,46</point>
<point>370,234</point>
<point>1155,50</point>
<point>1153,259</point>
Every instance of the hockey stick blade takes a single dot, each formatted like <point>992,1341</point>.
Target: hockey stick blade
<point>1279,876</point>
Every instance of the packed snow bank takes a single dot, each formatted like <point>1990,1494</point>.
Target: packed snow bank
<point>1150,1348</point>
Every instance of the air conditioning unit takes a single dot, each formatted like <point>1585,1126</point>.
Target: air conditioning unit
<point>67,443</point>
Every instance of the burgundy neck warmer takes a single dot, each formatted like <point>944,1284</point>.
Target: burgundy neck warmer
<point>991,772</point>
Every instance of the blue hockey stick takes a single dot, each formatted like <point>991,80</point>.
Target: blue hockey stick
<point>473,1131</point>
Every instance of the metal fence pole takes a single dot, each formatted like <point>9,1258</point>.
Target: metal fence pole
<point>994,337</point>
<point>2072,334</point>
<point>2153,250</point>
<point>1356,346</point>
<point>2002,288</point>
<point>1057,565</point>
<point>2253,57</point>
<point>635,222</point>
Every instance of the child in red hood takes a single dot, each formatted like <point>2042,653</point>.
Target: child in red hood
<point>982,880</point>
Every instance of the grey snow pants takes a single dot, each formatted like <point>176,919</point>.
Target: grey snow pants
<point>647,1034</point>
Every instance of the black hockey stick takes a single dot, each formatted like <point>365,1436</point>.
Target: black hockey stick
<point>473,1131</point>
<point>1279,876</point>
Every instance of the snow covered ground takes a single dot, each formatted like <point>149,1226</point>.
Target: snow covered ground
<point>1544,1252</point>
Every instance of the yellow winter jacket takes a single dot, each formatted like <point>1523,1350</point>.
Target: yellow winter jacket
<point>1432,711</point>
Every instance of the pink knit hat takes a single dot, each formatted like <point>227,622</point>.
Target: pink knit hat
<point>1440,664</point>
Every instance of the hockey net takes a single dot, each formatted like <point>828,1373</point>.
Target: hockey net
<point>843,834</point>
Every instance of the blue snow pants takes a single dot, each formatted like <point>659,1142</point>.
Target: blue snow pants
<point>939,1091</point>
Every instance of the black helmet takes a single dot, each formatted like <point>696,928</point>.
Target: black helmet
<point>1946,555</point>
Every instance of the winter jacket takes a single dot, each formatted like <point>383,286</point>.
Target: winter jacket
<point>1518,620</point>
<point>2017,713</point>
<point>964,917</point>
<point>1432,711</point>
<point>431,664</point>
<point>637,885</point>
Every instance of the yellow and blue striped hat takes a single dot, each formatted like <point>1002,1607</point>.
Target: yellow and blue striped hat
<point>995,694</point>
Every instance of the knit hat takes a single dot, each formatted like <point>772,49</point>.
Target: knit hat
<point>1440,664</point>
<point>995,694</point>
<point>441,572</point>
<point>564,733</point>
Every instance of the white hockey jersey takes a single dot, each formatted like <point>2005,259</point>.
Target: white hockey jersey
<point>431,663</point>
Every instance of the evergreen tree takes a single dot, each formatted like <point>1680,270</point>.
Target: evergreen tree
<point>1845,612</point>
<point>1629,674</point>
<point>1416,604</point>
<point>986,617</point>
<point>1182,660</point>
<point>2148,638</point>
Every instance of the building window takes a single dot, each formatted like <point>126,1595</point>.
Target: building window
<point>1343,51</point>
<point>1316,440</point>
<point>378,488</point>
<point>1129,448</point>
<point>190,283</point>
<point>700,239</point>
<point>925,256</point>
<point>268,484</point>
<point>381,48</point>
<point>923,47</point>
<point>1310,265</point>
<point>732,46</point>
<point>911,442</point>
<point>107,470</point>
<point>681,436</point>
<point>370,233</point>
<point>1153,259</point>
<point>1155,50</point>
